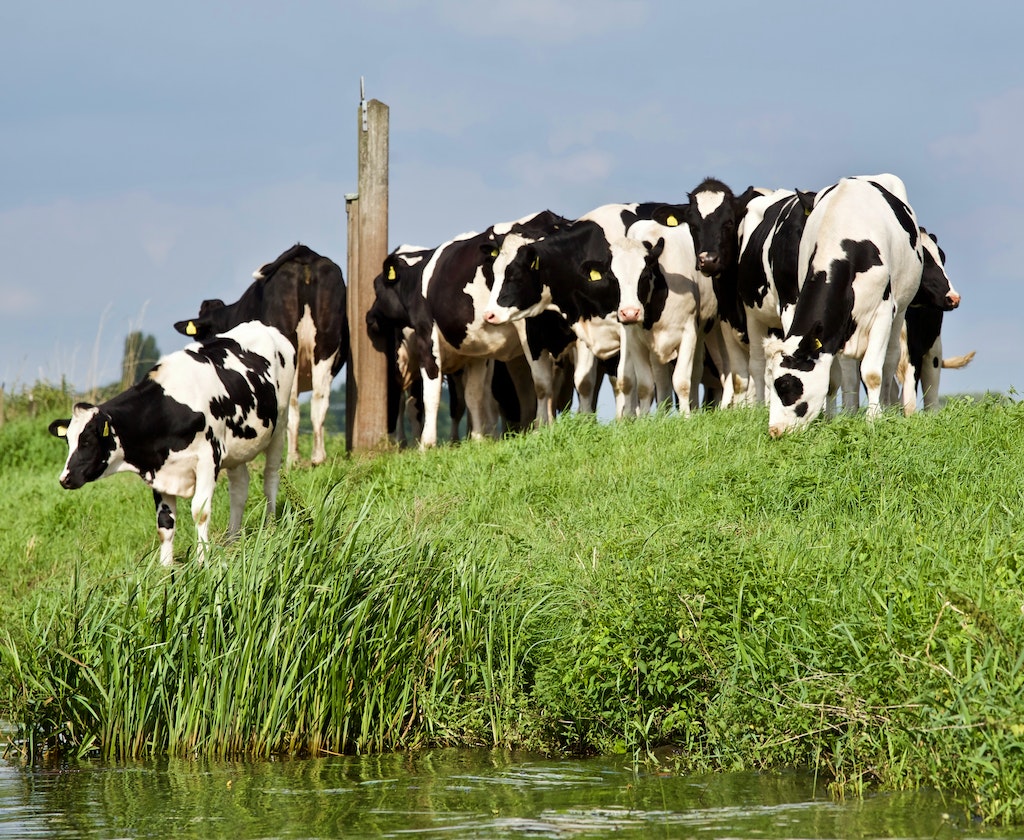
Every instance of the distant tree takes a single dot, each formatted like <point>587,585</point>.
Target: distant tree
<point>140,354</point>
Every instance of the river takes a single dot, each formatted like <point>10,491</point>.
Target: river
<point>447,794</point>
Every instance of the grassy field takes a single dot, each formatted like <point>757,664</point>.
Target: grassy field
<point>686,591</point>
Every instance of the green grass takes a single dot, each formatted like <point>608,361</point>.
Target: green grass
<point>687,591</point>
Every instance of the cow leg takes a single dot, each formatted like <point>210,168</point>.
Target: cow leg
<point>202,500</point>
<point>584,377</point>
<point>293,422</point>
<point>850,385</point>
<point>664,392</point>
<point>873,365</point>
<point>482,420</point>
<point>757,333</point>
<point>635,360</point>
<point>166,514</point>
<point>318,405</point>
<point>431,394</point>
<point>739,368</point>
<point>682,373</point>
<point>238,490</point>
<point>271,474</point>
<point>931,368</point>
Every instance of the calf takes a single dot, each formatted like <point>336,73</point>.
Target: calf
<point>303,295</point>
<point>861,261</point>
<point>213,406</point>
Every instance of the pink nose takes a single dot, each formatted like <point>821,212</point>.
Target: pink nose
<point>629,314</point>
<point>491,317</point>
<point>776,431</point>
<point>954,299</point>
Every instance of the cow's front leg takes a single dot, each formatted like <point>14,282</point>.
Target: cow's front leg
<point>318,405</point>
<point>293,421</point>
<point>479,400</point>
<point>166,514</point>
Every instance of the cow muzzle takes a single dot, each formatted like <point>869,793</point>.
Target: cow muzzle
<point>709,264</point>
<point>952,300</point>
<point>493,316</point>
<point>630,314</point>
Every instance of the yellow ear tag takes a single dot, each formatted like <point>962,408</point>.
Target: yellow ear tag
<point>807,211</point>
<point>595,275</point>
<point>494,253</point>
<point>817,344</point>
<point>671,221</point>
<point>535,265</point>
<point>190,328</point>
<point>106,429</point>
<point>391,273</point>
<point>62,431</point>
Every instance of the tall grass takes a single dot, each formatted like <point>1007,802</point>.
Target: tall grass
<point>847,599</point>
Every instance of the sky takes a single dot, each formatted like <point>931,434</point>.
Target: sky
<point>156,154</point>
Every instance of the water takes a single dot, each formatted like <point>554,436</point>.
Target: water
<point>445,794</point>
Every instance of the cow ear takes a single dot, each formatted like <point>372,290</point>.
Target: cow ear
<point>741,201</point>
<point>669,215</point>
<point>810,344</point>
<point>806,199</point>
<point>59,428</point>
<point>655,250</point>
<point>186,327</point>
<point>531,257</point>
<point>489,249</point>
<point>592,270</point>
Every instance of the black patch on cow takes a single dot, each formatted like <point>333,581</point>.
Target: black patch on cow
<point>164,516</point>
<point>548,331</point>
<point>150,424</point>
<point>924,325</point>
<point>934,286</point>
<point>249,389</point>
<point>801,409</point>
<point>901,212</point>
<point>777,235</point>
<point>825,306</point>
<point>789,388</point>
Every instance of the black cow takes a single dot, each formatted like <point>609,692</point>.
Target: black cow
<point>303,295</point>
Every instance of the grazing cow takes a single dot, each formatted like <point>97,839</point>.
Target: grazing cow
<point>575,272</point>
<point>440,294</point>
<point>767,276</point>
<point>861,261</point>
<point>713,216</point>
<point>212,406</point>
<point>303,295</point>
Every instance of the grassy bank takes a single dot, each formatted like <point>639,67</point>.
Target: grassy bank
<point>847,599</point>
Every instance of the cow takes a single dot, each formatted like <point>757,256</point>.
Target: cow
<point>303,295</point>
<point>439,293</point>
<point>210,407</point>
<point>767,278</point>
<point>713,216</point>
<point>920,340</point>
<point>575,272</point>
<point>670,324</point>
<point>861,261</point>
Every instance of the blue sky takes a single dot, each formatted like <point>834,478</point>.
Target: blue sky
<point>156,154</point>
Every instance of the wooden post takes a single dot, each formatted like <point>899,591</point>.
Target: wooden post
<point>366,382</point>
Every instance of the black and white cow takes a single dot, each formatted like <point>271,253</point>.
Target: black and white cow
<point>212,406</point>
<point>575,272</point>
<point>713,216</point>
<point>441,295</point>
<point>674,321</point>
<point>768,281</point>
<point>303,295</point>
<point>861,261</point>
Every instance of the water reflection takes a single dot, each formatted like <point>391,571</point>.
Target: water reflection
<point>449,793</point>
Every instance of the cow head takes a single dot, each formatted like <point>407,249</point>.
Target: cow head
<point>634,264</point>
<point>518,291</point>
<point>799,372</point>
<point>935,290</point>
<point>713,215</point>
<point>395,286</point>
<point>212,319</point>
<point>93,447</point>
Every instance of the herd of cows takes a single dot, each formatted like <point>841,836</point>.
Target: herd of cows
<point>776,296</point>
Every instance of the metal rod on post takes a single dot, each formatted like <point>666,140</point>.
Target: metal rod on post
<point>366,388</point>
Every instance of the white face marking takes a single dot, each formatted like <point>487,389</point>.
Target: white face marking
<point>709,202</point>
<point>629,258</point>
